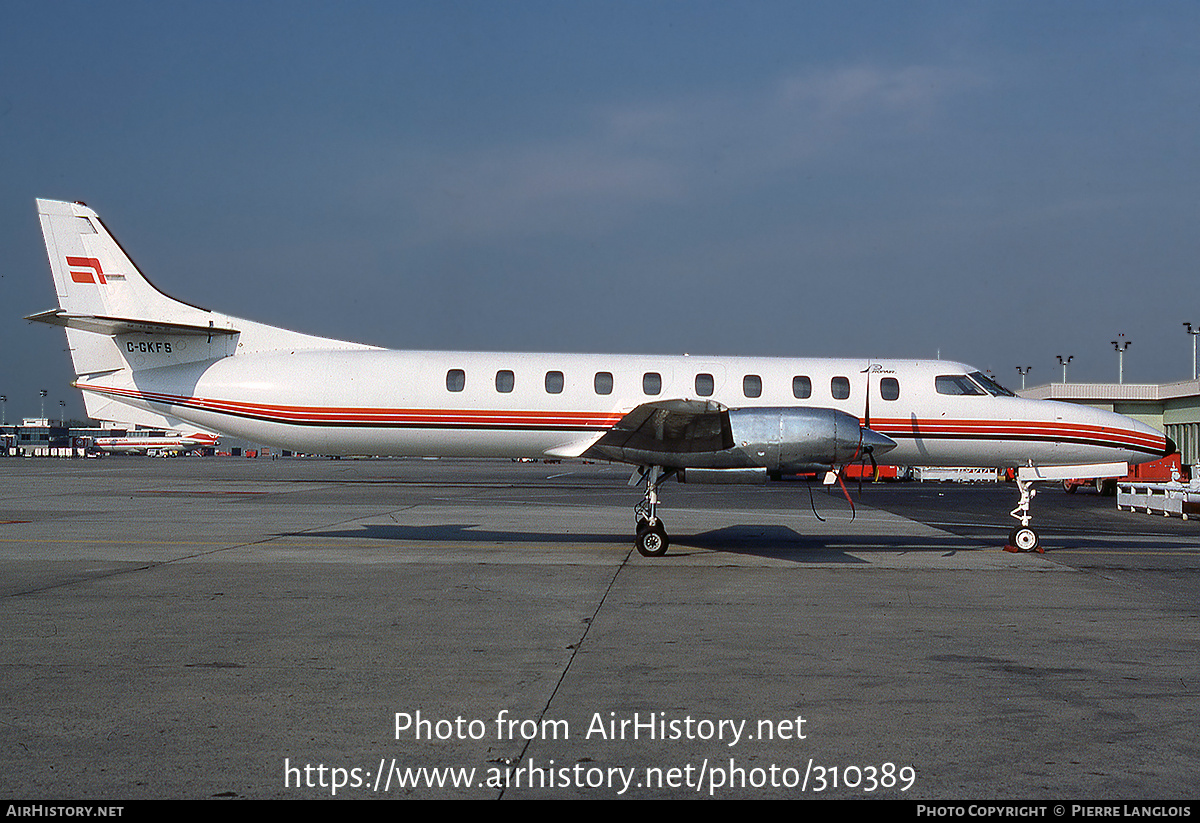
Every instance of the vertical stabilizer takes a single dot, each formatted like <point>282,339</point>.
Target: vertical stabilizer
<point>118,324</point>
<point>116,319</point>
<point>95,277</point>
<point>97,284</point>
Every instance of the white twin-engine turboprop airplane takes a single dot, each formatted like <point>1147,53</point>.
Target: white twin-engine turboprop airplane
<point>143,357</point>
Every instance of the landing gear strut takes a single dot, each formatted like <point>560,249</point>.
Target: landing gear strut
<point>651,539</point>
<point>1023,538</point>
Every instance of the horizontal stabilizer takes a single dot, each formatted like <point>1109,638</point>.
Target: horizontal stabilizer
<point>123,325</point>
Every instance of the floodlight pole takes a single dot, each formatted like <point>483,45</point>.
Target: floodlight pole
<point>1121,344</point>
<point>1064,363</point>
<point>1024,372</point>
<point>1193,333</point>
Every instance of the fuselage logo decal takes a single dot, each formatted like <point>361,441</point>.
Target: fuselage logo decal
<point>86,270</point>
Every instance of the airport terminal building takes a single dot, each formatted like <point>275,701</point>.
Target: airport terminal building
<point>1172,408</point>
<point>42,437</point>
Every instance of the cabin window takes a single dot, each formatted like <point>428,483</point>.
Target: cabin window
<point>840,387</point>
<point>604,382</point>
<point>704,385</point>
<point>955,384</point>
<point>456,380</point>
<point>752,385</point>
<point>505,381</point>
<point>652,382</point>
<point>554,382</point>
<point>801,387</point>
<point>889,388</point>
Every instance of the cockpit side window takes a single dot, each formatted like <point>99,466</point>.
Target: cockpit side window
<point>956,384</point>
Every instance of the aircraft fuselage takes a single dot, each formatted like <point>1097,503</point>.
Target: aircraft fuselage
<point>475,404</point>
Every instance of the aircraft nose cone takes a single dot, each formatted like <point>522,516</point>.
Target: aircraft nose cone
<point>1170,448</point>
<point>876,443</point>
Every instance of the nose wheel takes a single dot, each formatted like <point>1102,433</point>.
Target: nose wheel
<point>1023,538</point>
<point>652,541</point>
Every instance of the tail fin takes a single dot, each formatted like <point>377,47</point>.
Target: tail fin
<point>118,323</point>
<point>95,277</point>
<point>102,295</point>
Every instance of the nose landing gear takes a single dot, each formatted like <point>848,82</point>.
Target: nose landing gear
<point>1023,538</point>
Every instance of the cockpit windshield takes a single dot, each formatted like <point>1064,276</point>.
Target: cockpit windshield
<point>993,388</point>
<point>955,384</point>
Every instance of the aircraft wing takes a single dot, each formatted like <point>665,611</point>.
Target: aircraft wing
<point>670,433</point>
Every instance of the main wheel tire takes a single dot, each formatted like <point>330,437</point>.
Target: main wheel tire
<point>652,541</point>
<point>1024,539</point>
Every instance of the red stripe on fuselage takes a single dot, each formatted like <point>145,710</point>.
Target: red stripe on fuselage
<point>905,428</point>
<point>1018,429</point>
<point>366,416</point>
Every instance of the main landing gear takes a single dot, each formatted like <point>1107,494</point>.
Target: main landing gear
<point>1023,538</point>
<point>651,539</point>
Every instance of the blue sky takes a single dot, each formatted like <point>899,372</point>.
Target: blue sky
<point>997,182</point>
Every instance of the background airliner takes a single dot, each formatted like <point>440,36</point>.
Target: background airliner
<point>142,441</point>
<point>143,357</point>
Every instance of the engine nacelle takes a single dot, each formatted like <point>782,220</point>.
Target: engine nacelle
<point>787,440</point>
<point>692,434</point>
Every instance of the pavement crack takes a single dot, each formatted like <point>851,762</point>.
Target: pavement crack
<point>575,647</point>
